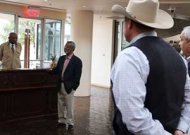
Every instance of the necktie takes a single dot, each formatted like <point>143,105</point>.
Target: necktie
<point>12,48</point>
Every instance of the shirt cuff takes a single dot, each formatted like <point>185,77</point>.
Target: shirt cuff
<point>183,126</point>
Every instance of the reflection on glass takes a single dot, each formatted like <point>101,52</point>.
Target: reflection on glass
<point>52,39</point>
<point>7,26</point>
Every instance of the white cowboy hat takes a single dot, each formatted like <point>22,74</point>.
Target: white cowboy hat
<point>146,12</point>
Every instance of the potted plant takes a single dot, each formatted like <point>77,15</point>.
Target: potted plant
<point>53,62</point>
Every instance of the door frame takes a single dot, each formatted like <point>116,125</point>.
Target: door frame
<point>42,34</point>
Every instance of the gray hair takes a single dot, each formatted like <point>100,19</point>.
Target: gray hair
<point>186,32</point>
<point>72,44</point>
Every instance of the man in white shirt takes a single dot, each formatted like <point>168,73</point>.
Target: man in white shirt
<point>150,83</point>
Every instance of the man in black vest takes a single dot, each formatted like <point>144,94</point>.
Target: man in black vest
<point>69,69</point>
<point>150,83</point>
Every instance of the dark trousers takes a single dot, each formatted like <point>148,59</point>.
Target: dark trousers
<point>119,127</point>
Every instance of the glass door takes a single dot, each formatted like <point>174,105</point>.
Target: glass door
<point>30,35</point>
<point>52,46</point>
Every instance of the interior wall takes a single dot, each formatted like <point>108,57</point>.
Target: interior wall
<point>81,34</point>
<point>101,50</point>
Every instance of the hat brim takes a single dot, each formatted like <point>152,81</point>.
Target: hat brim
<point>162,21</point>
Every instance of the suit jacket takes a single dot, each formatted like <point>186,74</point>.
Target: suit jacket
<point>189,68</point>
<point>72,74</point>
<point>9,59</point>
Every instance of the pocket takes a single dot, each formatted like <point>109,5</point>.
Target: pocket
<point>17,53</point>
<point>7,54</point>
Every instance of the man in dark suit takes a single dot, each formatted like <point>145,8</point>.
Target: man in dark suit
<point>69,69</point>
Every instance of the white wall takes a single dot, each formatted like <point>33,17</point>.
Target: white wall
<point>101,50</point>
<point>81,34</point>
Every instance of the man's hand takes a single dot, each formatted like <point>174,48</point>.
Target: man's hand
<point>178,132</point>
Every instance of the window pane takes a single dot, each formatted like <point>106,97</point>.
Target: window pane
<point>39,41</point>
<point>7,26</point>
<point>52,39</point>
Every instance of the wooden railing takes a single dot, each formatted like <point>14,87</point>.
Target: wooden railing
<point>27,95</point>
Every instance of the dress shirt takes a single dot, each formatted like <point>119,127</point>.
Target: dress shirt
<point>129,75</point>
<point>67,60</point>
<point>12,46</point>
<point>188,59</point>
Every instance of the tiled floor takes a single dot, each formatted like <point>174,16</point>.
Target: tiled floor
<point>92,117</point>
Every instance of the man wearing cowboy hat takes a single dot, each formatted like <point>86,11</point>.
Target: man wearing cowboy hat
<point>150,83</point>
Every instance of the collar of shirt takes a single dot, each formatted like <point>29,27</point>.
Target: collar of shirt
<point>188,59</point>
<point>10,44</point>
<point>144,34</point>
<point>70,56</point>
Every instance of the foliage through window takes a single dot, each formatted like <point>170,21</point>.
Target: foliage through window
<point>7,26</point>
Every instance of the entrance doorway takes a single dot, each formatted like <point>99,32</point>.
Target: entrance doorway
<point>41,38</point>
<point>30,37</point>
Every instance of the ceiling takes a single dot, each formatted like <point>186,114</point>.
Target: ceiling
<point>104,7</point>
<point>100,6</point>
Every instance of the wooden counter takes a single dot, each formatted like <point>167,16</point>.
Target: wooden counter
<point>27,95</point>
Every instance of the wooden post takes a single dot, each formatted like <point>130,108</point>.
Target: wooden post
<point>27,49</point>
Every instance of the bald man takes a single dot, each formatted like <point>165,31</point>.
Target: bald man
<point>10,53</point>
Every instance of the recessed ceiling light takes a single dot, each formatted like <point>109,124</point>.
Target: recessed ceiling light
<point>84,6</point>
